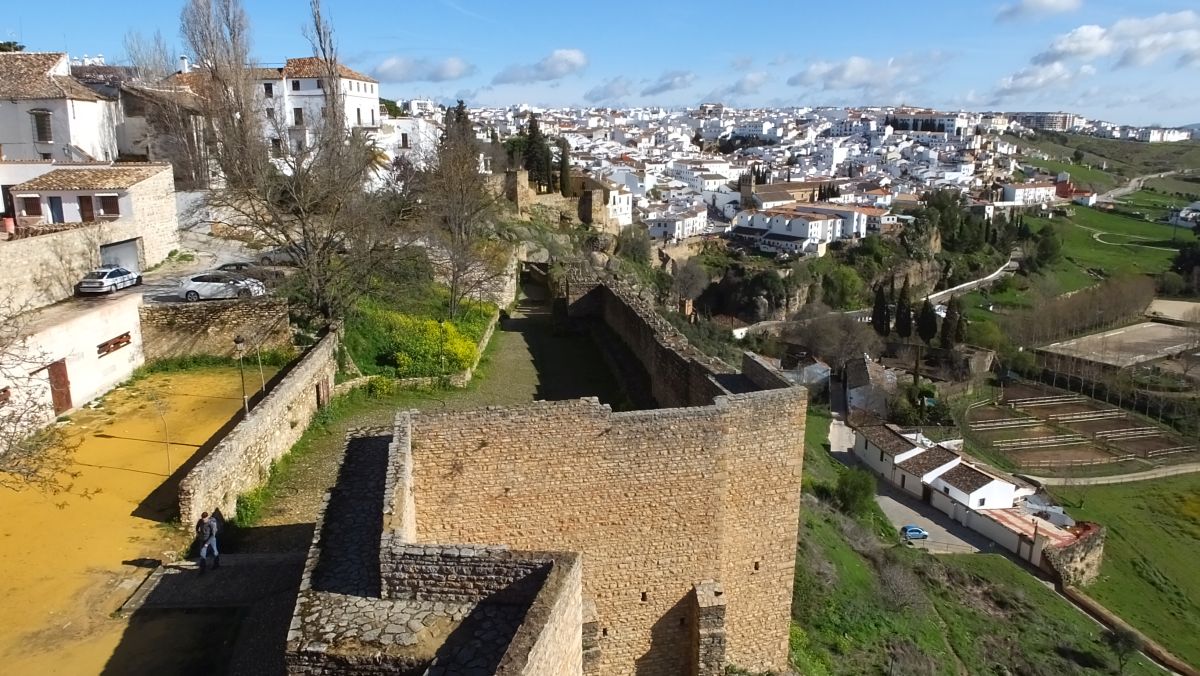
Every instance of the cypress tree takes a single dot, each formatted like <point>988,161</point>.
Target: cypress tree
<point>950,325</point>
<point>904,313</point>
<point>881,315</point>
<point>927,322</point>
<point>564,167</point>
<point>960,331</point>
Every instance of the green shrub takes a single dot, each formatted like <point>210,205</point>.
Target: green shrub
<point>855,491</point>
<point>381,386</point>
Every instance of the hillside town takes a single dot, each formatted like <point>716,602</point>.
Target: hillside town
<point>313,364</point>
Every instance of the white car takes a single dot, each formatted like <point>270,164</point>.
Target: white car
<point>217,284</point>
<point>106,279</point>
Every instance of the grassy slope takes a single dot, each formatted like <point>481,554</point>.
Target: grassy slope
<point>1082,176</point>
<point>965,614</point>
<point>1149,572</point>
<point>1130,158</point>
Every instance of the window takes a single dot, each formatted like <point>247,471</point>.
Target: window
<point>645,597</point>
<point>372,117</point>
<point>276,146</point>
<point>295,85</point>
<point>403,140</point>
<point>271,114</point>
<point>358,113</point>
<point>110,205</point>
<point>298,117</point>
<point>881,452</point>
<point>32,206</point>
<point>320,84</point>
<point>903,480</point>
<point>269,90</point>
<point>110,346</point>
<point>981,501</point>
<point>42,133</point>
<point>45,156</point>
<point>946,490</point>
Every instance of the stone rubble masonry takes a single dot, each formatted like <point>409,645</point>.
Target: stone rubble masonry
<point>242,460</point>
<point>708,631</point>
<point>1078,564</point>
<point>680,374</point>
<point>181,329</point>
<point>762,373</point>
<point>51,264</point>
<point>654,500</point>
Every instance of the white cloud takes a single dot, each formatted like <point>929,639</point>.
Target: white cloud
<point>670,81</point>
<point>741,62</point>
<point>1137,41</point>
<point>1039,77</point>
<point>404,69</point>
<point>559,64</point>
<point>870,78</point>
<point>1028,8</point>
<point>747,85</point>
<point>616,88</point>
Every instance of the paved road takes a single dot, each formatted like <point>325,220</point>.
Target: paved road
<point>946,536</point>
<point>1158,472</point>
<point>1134,185</point>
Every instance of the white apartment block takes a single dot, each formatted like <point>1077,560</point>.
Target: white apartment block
<point>678,225</point>
<point>1163,135</point>
<point>794,229</point>
<point>293,100</point>
<point>45,114</point>
<point>1030,193</point>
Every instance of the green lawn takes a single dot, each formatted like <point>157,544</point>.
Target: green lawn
<point>1149,576</point>
<point>1154,205</point>
<point>1130,158</point>
<point>1126,247</point>
<point>819,466</point>
<point>1082,176</point>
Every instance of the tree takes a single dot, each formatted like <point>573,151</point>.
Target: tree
<point>310,197</point>
<point>537,153</point>
<point>960,329</point>
<point>468,252</point>
<point>564,167</point>
<point>1077,156</point>
<point>634,244</point>
<point>690,280</point>
<point>927,322</point>
<point>904,318</point>
<point>842,288</point>
<point>834,337</point>
<point>11,46</point>
<point>855,491</point>
<point>1049,246</point>
<point>1123,643</point>
<point>881,314</point>
<point>949,336</point>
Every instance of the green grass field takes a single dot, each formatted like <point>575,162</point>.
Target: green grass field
<point>1129,158</point>
<point>1188,185</point>
<point>1083,177</point>
<point>1149,573</point>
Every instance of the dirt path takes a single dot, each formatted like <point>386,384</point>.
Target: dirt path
<point>1098,234</point>
<point>68,561</point>
<point>1156,473</point>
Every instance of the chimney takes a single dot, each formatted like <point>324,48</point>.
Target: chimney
<point>184,65</point>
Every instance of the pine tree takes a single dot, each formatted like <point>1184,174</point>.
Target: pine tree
<point>950,325</point>
<point>904,320</point>
<point>927,322</point>
<point>881,314</point>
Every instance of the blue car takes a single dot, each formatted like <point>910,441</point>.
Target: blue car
<point>913,533</point>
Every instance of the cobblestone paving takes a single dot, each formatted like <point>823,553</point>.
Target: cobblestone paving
<point>349,562</point>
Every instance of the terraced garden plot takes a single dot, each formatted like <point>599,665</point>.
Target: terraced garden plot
<point>1013,434</point>
<point>988,413</point>
<point>1059,455</point>
<point>1063,408</point>
<point>1091,427</point>
<point>1144,446</point>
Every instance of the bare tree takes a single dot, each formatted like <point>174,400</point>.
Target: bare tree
<point>465,244</point>
<point>34,452</point>
<point>835,337</point>
<point>311,184</point>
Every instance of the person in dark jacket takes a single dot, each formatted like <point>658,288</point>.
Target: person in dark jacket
<point>206,534</point>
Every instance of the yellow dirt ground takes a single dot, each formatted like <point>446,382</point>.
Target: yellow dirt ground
<point>61,570</point>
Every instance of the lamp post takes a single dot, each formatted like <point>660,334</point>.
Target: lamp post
<point>239,344</point>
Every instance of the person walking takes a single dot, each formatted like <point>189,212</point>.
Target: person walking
<point>206,533</point>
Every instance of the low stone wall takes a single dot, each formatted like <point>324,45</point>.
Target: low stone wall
<point>181,329</point>
<point>762,373</point>
<point>458,379</point>
<point>553,626</point>
<point>467,574</point>
<point>242,460</point>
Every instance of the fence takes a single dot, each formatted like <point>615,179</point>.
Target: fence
<point>1065,464</point>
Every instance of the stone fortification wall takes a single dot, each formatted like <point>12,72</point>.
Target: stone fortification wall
<point>762,373</point>
<point>466,573</point>
<point>679,374</point>
<point>549,641</point>
<point>655,501</point>
<point>180,329</point>
<point>1078,564</point>
<point>242,460</point>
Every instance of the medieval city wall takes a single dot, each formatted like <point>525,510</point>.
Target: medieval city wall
<point>180,329</point>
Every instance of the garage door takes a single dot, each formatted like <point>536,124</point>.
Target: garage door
<point>124,254</point>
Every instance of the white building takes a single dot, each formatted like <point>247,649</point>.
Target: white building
<point>793,228</point>
<point>1163,135</point>
<point>293,99</point>
<point>680,224</point>
<point>45,114</point>
<point>1030,193</point>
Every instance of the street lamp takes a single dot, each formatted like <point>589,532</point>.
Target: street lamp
<point>239,344</point>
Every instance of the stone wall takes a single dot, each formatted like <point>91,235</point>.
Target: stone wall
<point>242,460</point>
<point>762,373</point>
<point>180,329</point>
<point>679,374</point>
<point>466,573</point>
<point>655,500</point>
<point>708,629</point>
<point>557,617</point>
<point>1079,562</point>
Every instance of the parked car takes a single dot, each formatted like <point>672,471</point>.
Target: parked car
<point>106,279</point>
<point>913,533</point>
<point>252,270</point>
<point>284,255</point>
<point>217,284</point>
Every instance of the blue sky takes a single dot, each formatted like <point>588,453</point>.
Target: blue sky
<point>1125,61</point>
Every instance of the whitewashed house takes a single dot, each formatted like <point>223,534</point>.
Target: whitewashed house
<point>45,114</point>
<point>293,100</point>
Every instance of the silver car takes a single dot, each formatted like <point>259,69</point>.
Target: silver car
<point>106,279</point>
<point>216,284</point>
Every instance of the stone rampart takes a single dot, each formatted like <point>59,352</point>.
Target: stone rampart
<point>762,373</point>
<point>242,460</point>
<point>655,501</point>
<point>679,374</point>
<point>1079,562</point>
<point>180,329</point>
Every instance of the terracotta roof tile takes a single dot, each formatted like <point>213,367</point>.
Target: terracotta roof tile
<point>92,178</point>
<point>886,439</point>
<point>965,478</point>
<point>27,75</point>
<point>311,66</point>
<point>927,461</point>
